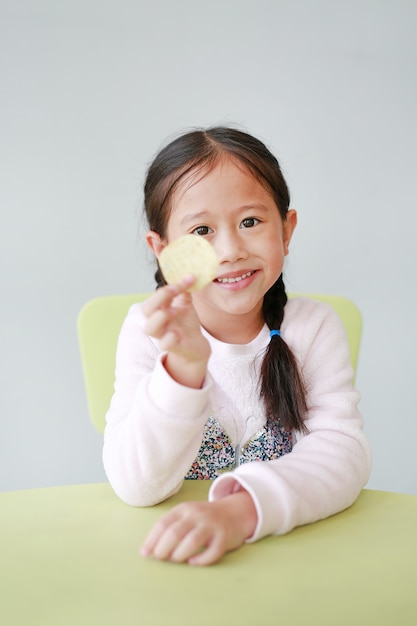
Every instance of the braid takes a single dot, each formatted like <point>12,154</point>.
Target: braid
<point>274,303</point>
<point>282,388</point>
<point>159,279</point>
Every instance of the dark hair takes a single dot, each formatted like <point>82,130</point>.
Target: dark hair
<point>281,385</point>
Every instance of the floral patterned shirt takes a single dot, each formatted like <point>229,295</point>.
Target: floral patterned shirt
<point>217,455</point>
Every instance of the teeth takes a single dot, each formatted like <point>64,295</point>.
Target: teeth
<point>234,280</point>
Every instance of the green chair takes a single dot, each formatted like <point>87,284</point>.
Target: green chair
<point>99,324</point>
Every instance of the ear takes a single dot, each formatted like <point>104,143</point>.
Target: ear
<point>155,243</point>
<point>288,228</point>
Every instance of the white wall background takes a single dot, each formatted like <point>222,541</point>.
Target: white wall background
<point>89,91</point>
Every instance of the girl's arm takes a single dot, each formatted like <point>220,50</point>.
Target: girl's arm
<point>328,467</point>
<point>156,418</point>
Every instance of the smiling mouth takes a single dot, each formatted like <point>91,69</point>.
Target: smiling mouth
<point>236,279</point>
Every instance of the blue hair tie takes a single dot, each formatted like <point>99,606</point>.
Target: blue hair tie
<point>275,332</point>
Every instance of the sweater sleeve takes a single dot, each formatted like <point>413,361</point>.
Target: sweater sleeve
<point>328,466</point>
<point>154,425</point>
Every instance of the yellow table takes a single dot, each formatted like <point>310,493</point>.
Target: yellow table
<point>70,556</point>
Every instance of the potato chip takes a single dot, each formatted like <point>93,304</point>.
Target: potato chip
<point>190,254</point>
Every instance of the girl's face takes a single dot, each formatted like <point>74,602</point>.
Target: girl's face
<point>239,217</point>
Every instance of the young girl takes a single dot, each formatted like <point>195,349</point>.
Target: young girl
<point>232,382</point>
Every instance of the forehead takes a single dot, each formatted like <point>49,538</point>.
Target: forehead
<point>227,175</point>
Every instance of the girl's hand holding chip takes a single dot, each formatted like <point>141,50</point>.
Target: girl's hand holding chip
<point>172,319</point>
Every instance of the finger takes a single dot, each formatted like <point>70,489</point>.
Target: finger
<point>182,300</point>
<point>213,552</point>
<point>194,542</point>
<point>156,324</point>
<point>165,531</point>
<point>155,533</point>
<point>160,299</point>
<point>170,539</point>
<point>163,297</point>
<point>169,341</point>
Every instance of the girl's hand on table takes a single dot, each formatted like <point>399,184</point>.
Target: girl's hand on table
<point>171,318</point>
<point>200,533</point>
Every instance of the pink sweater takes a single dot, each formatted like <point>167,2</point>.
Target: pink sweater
<point>155,426</point>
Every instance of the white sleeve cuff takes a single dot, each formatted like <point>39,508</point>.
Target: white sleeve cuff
<point>263,485</point>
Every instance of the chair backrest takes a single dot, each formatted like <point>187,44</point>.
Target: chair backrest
<point>99,324</point>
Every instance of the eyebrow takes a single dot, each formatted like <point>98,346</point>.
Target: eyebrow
<point>194,217</point>
<point>202,215</point>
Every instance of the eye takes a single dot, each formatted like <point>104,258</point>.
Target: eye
<point>201,230</point>
<point>249,222</point>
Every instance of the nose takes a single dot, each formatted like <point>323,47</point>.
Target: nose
<point>230,247</point>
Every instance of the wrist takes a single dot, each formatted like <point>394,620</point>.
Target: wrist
<point>244,510</point>
<point>187,373</point>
